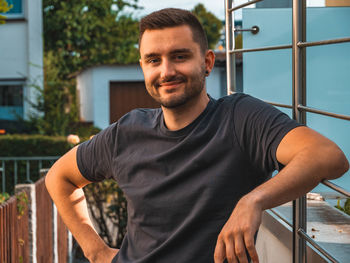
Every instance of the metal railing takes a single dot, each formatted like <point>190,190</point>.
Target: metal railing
<point>27,161</point>
<point>298,106</point>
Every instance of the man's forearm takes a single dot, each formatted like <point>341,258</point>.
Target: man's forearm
<point>71,204</point>
<point>301,175</point>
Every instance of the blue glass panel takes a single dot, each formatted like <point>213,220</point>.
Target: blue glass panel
<point>10,112</point>
<point>268,75</point>
<point>17,7</point>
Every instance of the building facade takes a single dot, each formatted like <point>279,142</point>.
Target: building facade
<point>21,59</point>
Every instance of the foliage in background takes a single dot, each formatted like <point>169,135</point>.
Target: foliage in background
<point>84,33</point>
<point>55,104</point>
<point>33,145</point>
<point>238,41</point>
<point>346,208</point>
<point>211,24</point>
<point>4,197</point>
<point>108,209</point>
<point>4,8</point>
<point>22,203</point>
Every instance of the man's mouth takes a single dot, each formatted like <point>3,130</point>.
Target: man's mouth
<point>171,82</point>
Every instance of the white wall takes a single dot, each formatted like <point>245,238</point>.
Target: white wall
<point>13,50</point>
<point>35,51</point>
<point>84,93</point>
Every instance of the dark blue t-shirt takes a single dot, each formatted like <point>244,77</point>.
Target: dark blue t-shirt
<point>182,186</point>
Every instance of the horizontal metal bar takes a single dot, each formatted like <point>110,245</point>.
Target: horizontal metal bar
<point>253,29</point>
<point>323,42</point>
<point>259,49</point>
<point>336,187</point>
<point>316,246</point>
<point>36,158</point>
<point>279,104</point>
<point>281,217</point>
<point>243,5</point>
<point>313,110</point>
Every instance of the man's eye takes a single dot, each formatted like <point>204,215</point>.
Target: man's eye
<point>153,60</point>
<point>180,57</point>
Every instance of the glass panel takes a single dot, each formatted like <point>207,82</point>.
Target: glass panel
<point>17,6</point>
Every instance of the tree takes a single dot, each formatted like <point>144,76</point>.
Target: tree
<point>4,7</point>
<point>85,33</point>
<point>211,24</point>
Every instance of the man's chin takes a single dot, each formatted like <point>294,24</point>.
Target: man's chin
<point>174,101</point>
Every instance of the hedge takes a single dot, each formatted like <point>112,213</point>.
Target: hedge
<point>32,145</point>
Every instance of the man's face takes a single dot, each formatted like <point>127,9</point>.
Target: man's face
<point>172,64</point>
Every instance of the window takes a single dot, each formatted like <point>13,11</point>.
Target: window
<point>11,95</point>
<point>16,10</point>
<point>11,101</point>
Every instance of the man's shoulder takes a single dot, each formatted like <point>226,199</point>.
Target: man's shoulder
<point>233,99</point>
<point>140,116</point>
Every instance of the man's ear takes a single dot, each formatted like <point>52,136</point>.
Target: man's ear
<point>140,61</point>
<point>209,60</point>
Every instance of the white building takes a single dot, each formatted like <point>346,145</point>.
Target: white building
<point>21,58</point>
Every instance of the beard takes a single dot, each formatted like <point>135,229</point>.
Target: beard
<point>194,85</point>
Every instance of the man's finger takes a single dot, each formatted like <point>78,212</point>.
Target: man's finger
<point>240,249</point>
<point>230,251</point>
<point>249,244</point>
<point>219,254</point>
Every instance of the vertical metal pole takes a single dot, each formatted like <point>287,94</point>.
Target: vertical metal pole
<point>40,165</point>
<point>299,88</point>
<point>15,171</point>
<point>230,57</point>
<point>28,172</point>
<point>3,177</point>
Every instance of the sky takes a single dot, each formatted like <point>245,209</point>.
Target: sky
<point>217,7</point>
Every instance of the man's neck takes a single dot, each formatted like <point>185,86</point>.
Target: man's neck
<point>179,117</point>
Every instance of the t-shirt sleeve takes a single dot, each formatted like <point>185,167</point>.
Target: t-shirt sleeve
<point>94,157</point>
<point>259,128</point>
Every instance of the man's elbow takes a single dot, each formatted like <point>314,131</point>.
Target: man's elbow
<point>338,163</point>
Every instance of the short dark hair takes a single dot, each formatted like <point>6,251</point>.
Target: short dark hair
<point>172,17</point>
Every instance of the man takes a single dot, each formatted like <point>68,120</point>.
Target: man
<point>196,173</point>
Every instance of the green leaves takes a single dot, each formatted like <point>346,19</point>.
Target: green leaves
<point>211,24</point>
<point>85,33</point>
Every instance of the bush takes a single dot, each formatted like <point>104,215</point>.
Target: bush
<point>346,208</point>
<point>33,145</point>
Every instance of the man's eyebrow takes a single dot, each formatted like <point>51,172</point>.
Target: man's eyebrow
<point>175,51</point>
<point>181,50</point>
<point>150,55</point>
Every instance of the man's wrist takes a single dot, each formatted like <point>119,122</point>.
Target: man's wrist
<point>254,199</point>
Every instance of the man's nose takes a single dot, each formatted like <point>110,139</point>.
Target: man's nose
<point>167,69</point>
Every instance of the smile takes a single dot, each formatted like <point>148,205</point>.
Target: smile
<point>171,84</point>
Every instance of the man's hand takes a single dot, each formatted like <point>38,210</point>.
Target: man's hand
<point>103,256</point>
<point>237,235</point>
